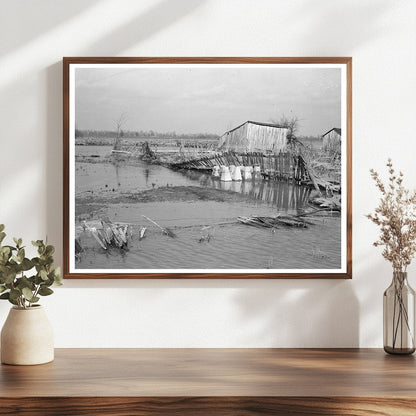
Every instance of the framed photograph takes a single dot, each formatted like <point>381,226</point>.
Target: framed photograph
<point>207,167</point>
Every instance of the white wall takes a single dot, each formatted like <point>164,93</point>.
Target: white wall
<point>380,35</point>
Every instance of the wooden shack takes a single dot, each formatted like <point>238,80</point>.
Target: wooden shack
<point>253,136</point>
<point>331,140</point>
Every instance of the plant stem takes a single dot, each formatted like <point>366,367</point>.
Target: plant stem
<point>401,314</point>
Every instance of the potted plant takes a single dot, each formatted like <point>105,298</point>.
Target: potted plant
<point>396,217</point>
<point>27,336</point>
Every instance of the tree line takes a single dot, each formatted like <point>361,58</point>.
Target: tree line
<point>141,134</point>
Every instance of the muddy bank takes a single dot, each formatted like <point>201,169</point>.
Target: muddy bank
<point>88,204</point>
<point>185,194</point>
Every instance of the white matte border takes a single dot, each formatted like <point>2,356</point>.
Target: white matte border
<point>344,136</point>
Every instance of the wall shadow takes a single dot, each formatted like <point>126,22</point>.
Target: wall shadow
<point>146,24</point>
<point>336,17</point>
<point>45,16</point>
<point>54,146</point>
<point>301,313</point>
<point>157,18</point>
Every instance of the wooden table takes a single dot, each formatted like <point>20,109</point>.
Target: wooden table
<point>212,382</point>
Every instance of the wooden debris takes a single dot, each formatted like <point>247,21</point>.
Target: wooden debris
<point>208,231</point>
<point>313,212</point>
<point>98,235</point>
<point>205,238</point>
<point>78,249</point>
<point>147,153</point>
<point>165,230</point>
<point>333,203</point>
<point>108,234</point>
<point>273,222</point>
<point>142,232</point>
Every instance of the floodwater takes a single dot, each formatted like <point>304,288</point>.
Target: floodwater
<point>208,235</point>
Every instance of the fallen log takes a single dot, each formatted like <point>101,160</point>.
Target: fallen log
<point>273,222</point>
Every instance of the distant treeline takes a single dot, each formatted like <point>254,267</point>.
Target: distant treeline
<point>149,134</point>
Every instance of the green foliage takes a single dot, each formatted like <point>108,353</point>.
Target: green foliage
<point>15,285</point>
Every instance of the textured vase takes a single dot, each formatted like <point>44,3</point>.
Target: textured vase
<point>27,337</point>
<point>399,316</point>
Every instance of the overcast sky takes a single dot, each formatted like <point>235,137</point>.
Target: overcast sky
<point>206,100</point>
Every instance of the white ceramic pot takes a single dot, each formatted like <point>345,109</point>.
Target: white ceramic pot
<point>27,337</point>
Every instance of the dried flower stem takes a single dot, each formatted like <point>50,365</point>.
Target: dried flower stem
<point>396,217</point>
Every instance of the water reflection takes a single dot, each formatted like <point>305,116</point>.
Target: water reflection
<point>146,175</point>
<point>125,176</point>
<point>284,195</point>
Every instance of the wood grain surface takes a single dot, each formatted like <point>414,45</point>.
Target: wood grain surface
<point>212,381</point>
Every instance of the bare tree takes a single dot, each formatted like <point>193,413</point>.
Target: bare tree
<point>291,123</point>
<point>119,124</point>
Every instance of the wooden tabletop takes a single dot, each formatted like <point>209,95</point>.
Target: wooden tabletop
<point>218,376</point>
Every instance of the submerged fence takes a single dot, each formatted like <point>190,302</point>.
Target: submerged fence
<point>284,165</point>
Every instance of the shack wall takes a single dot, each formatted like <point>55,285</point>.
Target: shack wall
<point>267,138</point>
<point>236,140</point>
<point>332,141</point>
<point>252,137</point>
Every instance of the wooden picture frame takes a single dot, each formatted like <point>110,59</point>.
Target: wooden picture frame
<point>184,93</point>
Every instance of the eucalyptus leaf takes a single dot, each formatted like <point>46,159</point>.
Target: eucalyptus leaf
<point>26,264</point>
<point>27,293</point>
<point>13,302</point>
<point>57,272</point>
<point>15,294</point>
<point>58,277</point>
<point>43,274</point>
<point>45,291</point>
<point>49,282</point>
<point>38,280</point>
<point>48,260</point>
<point>9,277</point>
<point>24,282</point>
<point>5,250</point>
<point>2,236</point>
<point>11,248</point>
<point>21,255</point>
<point>49,250</point>
<point>2,226</point>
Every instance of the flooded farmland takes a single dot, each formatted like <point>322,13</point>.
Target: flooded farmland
<point>202,212</point>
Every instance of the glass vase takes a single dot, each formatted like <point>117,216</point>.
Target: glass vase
<point>399,316</point>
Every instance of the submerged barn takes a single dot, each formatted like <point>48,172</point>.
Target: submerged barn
<point>331,140</point>
<point>252,136</point>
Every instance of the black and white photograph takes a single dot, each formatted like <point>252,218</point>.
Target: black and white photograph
<point>211,168</point>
